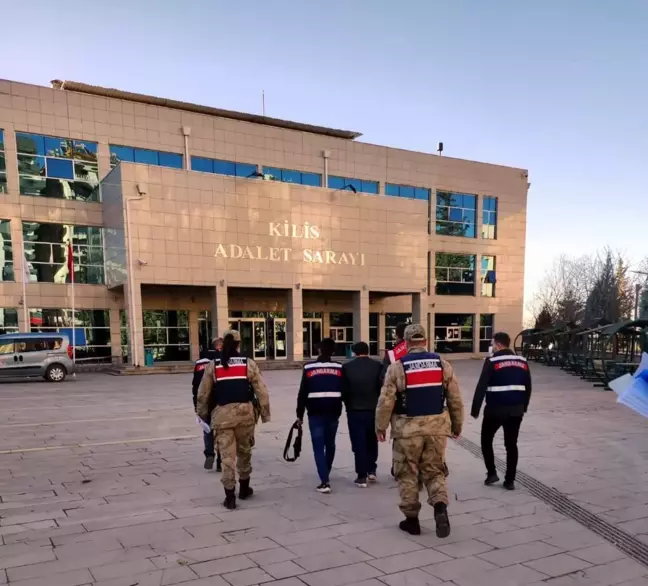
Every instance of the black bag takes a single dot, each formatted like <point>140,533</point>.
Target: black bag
<point>297,446</point>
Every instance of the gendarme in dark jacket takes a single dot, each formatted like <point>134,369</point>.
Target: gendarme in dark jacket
<point>361,382</point>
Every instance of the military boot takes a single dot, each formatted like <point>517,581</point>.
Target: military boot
<point>230,499</point>
<point>441,519</point>
<point>411,525</point>
<point>245,492</point>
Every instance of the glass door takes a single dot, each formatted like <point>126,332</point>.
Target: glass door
<point>279,329</point>
<point>259,339</point>
<point>312,337</point>
<point>247,338</point>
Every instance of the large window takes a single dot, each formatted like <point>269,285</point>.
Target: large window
<point>61,168</point>
<point>6,252</point>
<point>455,274</point>
<point>453,332</point>
<point>8,320</point>
<point>486,331</point>
<point>373,333</point>
<point>166,334</point>
<point>335,182</point>
<point>488,278</point>
<point>289,176</point>
<point>92,330</point>
<point>456,214</point>
<point>223,167</point>
<point>3,165</point>
<point>145,156</point>
<point>341,331</point>
<point>391,321</point>
<point>47,248</point>
<point>489,218</point>
<point>407,191</point>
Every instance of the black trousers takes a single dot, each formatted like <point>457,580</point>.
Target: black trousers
<point>511,425</point>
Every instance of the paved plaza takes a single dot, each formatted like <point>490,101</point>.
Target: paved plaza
<point>101,482</point>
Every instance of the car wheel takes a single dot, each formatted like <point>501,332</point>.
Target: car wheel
<point>55,373</point>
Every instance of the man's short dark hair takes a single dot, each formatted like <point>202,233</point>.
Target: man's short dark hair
<point>400,330</point>
<point>327,347</point>
<point>361,349</point>
<point>503,339</point>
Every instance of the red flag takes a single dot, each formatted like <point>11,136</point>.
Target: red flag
<point>70,262</point>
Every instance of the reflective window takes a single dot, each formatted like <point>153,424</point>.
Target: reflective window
<point>341,332</point>
<point>6,252</point>
<point>128,154</point>
<point>289,176</point>
<point>453,332</point>
<point>61,168</point>
<point>455,274</point>
<point>456,214</point>
<point>3,165</point>
<point>407,191</point>
<point>48,246</point>
<point>489,218</point>
<point>91,330</point>
<point>486,331</point>
<point>166,334</point>
<point>391,321</point>
<point>488,278</point>
<point>360,185</point>
<point>8,320</point>
<point>223,167</point>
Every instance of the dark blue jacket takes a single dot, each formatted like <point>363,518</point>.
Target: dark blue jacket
<point>424,393</point>
<point>505,383</point>
<point>320,390</point>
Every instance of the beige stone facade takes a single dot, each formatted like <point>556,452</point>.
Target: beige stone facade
<point>245,248</point>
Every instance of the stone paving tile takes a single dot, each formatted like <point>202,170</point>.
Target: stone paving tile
<point>332,559</point>
<point>464,567</point>
<point>341,576</point>
<point>74,578</point>
<point>516,575</point>
<point>119,569</point>
<point>616,572</point>
<point>247,577</point>
<point>382,543</point>
<point>223,566</point>
<point>558,565</point>
<point>406,561</point>
<point>272,556</point>
<point>286,569</point>
<point>511,538</point>
<point>416,577</point>
<point>462,549</point>
<point>599,554</point>
<point>518,554</point>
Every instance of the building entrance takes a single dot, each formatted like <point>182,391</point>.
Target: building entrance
<point>312,337</point>
<point>262,337</point>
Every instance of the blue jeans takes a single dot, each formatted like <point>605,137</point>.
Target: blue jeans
<point>208,440</point>
<point>364,443</point>
<point>323,430</point>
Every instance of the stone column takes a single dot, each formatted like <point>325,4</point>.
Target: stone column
<point>382,340</point>
<point>361,316</point>
<point>326,324</point>
<point>476,333</point>
<point>135,319</point>
<point>421,312</point>
<point>194,339</point>
<point>295,324</point>
<point>115,337</point>
<point>219,310</point>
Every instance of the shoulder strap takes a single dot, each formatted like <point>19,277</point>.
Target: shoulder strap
<point>297,446</point>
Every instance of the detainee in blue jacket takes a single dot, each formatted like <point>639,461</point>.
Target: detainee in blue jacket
<point>505,383</point>
<point>320,393</point>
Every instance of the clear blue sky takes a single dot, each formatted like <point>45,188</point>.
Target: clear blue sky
<point>557,87</point>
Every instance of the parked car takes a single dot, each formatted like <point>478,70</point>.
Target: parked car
<point>46,355</point>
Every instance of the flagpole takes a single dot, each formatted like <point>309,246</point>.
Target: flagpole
<point>25,277</point>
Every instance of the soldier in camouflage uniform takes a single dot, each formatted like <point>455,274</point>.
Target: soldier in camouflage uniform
<point>230,396</point>
<point>412,400</point>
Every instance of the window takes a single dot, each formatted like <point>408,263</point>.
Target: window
<point>8,321</point>
<point>38,344</point>
<point>489,218</point>
<point>453,332</point>
<point>373,334</point>
<point>91,330</point>
<point>407,191</point>
<point>6,252</point>
<point>455,274</point>
<point>288,176</point>
<point>391,321</point>
<point>3,165</point>
<point>124,327</point>
<point>166,334</point>
<point>145,156</point>
<point>360,185</point>
<point>223,167</point>
<point>7,347</point>
<point>341,331</point>
<point>486,331</point>
<point>57,167</point>
<point>488,279</point>
<point>204,331</point>
<point>47,250</point>
<point>456,214</point>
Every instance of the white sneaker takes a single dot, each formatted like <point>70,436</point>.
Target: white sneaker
<point>372,478</point>
<point>324,488</point>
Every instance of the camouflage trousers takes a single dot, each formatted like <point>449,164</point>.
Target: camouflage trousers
<point>235,447</point>
<point>424,454</point>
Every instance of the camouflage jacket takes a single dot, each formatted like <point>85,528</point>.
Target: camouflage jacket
<point>447,423</point>
<point>228,416</point>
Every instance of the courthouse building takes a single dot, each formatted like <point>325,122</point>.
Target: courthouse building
<point>184,220</point>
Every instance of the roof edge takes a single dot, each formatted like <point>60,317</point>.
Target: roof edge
<point>84,88</point>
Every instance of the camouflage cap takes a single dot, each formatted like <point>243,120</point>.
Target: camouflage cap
<point>415,333</point>
<point>235,334</point>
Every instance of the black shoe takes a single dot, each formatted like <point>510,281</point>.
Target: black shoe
<point>219,467</point>
<point>324,488</point>
<point>509,485</point>
<point>442,521</point>
<point>491,479</point>
<point>361,482</point>
<point>245,492</point>
<point>410,525</point>
<point>230,499</point>
<point>209,462</point>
